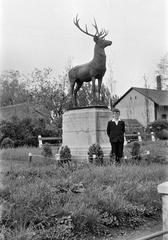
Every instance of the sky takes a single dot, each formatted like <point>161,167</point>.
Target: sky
<point>41,34</point>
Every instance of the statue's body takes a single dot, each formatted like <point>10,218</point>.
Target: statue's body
<point>92,70</point>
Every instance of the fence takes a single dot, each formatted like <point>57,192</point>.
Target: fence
<point>128,138</point>
<point>57,139</point>
<point>139,137</point>
<point>110,160</point>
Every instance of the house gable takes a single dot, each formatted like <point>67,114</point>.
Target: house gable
<point>134,105</point>
<point>159,97</point>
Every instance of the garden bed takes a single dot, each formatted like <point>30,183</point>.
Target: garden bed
<point>44,201</point>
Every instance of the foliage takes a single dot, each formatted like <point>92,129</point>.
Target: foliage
<point>12,88</point>
<point>163,134</point>
<point>47,151</point>
<point>163,70</point>
<point>7,143</point>
<point>85,95</point>
<point>95,149</point>
<point>25,131</point>
<point>48,91</point>
<point>65,154</point>
<point>158,125</point>
<point>38,200</point>
<point>135,152</point>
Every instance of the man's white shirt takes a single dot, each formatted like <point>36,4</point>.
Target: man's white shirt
<point>116,121</point>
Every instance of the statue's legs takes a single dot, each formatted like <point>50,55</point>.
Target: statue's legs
<point>93,89</point>
<point>99,88</point>
<point>78,85</point>
<point>72,92</point>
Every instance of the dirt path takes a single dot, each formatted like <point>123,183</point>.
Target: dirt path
<point>150,228</point>
<point>128,234</point>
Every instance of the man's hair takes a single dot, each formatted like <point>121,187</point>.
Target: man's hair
<point>115,110</point>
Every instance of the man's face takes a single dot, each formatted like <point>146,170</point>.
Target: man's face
<point>116,115</point>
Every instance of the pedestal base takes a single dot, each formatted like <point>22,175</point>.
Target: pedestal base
<point>83,127</point>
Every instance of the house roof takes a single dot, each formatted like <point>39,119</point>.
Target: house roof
<point>160,97</point>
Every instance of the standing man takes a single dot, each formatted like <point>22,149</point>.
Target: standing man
<point>115,131</point>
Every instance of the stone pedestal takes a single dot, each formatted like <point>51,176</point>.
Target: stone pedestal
<point>163,189</point>
<point>85,126</point>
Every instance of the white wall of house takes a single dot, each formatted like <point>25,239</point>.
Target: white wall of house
<point>134,106</point>
<point>162,110</point>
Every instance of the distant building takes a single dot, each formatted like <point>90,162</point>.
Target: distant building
<point>144,105</point>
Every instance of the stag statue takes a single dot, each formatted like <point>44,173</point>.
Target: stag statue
<point>95,69</point>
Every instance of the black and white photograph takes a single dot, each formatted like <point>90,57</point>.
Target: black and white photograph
<point>83,119</point>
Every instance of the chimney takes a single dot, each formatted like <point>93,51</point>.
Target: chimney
<point>159,85</point>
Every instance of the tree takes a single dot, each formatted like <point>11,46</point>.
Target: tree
<point>48,91</point>
<point>12,88</point>
<point>85,95</point>
<point>163,70</point>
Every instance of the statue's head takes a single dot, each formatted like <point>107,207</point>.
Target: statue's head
<point>98,37</point>
<point>102,42</point>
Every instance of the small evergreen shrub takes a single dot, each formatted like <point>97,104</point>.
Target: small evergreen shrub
<point>95,149</point>
<point>112,157</point>
<point>158,125</point>
<point>135,151</point>
<point>163,134</point>
<point>7,143</point>
<point>65,154</point>
<point>47,151</point>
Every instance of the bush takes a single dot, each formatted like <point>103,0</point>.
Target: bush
<point>158,125</point>
<point>7,143</point>
<point>163,134</point>
<point>65,154</point>
<point>96,149</point>
<point>25,131</point>
<point>47,152</point>
<point>135,152</point>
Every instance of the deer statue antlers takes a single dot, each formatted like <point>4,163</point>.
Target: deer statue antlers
<point>102,34</point>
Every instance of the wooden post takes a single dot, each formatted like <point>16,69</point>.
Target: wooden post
<point>40,141</point>
<point>30,158</point>
<point>163,189</point>
<point>94,159</point>
<point>125,140</point>
<point>57,158</point>
<point>139,137</point>
<point>152,136</point>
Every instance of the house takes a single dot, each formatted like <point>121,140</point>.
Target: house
<point>144,105</point>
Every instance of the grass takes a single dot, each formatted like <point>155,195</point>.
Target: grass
<point>39,202</point>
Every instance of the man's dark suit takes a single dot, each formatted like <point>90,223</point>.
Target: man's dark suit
<point>116,137</point>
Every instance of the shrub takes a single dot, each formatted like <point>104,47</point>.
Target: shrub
<point>158,125</point>
<point>25,131</point>
<point>7,143</point>
<point>65,154</point>
<point>135,152</point>
<point>95,149</point>
<point>163,134</point>
<point>47,152</point>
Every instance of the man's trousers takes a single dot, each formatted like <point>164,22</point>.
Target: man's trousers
<point>117,149</point>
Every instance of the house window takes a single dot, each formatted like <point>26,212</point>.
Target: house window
<point>135,97</point>
<point>130,98</point>
<point>164,116</point>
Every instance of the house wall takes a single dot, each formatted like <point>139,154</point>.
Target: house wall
<point>162,110</point>
<point>133,106</point>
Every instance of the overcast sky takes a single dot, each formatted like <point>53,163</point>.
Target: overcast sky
<point>41,34</point>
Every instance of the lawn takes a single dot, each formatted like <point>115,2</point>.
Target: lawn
<point>44,201</point>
